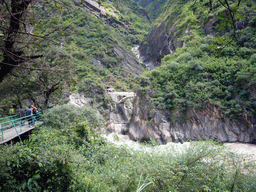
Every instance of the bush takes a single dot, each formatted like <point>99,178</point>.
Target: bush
<point>196,65</point>
<point>30,168</point>
<point>209,39</point>
<point>200,167</point>
<point>63,116</point>
<point>253,58</point>
<point>185,57</point>
<point>244,51</point>
<point>230,51</point>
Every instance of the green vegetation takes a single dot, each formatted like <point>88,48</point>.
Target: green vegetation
<point>211,70</point>
<point>195,76</point>
<point>65,152</point>
<point>91,40</point>
<point>70,156</point>
<point>154,8</point>
<point>96,50</point>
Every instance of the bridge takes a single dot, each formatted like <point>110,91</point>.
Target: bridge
<point>12,127</point>
<point>121,97</point>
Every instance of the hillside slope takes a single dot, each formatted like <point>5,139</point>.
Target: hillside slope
<point>98,40</point>
<point>206,84</point>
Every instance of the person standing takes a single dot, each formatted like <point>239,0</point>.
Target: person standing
<point>22,114</point>
<point>34,110</point>
<point>29,114</point>
<point>11,111</point>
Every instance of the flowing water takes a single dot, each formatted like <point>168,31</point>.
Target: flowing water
<point>123,140</point>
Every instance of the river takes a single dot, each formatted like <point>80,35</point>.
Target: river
<point>123,140</point>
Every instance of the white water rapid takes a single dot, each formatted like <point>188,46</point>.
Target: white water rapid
<point>123,140</point>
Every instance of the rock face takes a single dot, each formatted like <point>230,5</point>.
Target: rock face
<point>141,122</point>
<point>120,111</point>
<point>79,100</point>
<point>204,124</point>
<point>160,42</point>
<point>134,115</point>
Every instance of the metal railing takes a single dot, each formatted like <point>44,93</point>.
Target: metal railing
<point>11,122</point>
<point>8,118</point>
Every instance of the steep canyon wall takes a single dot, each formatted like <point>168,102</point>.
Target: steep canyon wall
<point>174,126</point>
<point>137,118</point>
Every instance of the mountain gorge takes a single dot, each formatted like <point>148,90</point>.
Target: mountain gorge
<point>175,76</point>
<point>201,67</point>
<point>200,86</point>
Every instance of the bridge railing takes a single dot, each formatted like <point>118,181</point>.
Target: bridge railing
<point>8,118</point>
<point>18,123</point>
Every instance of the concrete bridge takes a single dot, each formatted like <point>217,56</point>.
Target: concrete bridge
<point>121,97</point>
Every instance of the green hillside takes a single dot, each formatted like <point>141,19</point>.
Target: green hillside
<point>154,7</point>
<point>99,47</point>
<point>216,69</point>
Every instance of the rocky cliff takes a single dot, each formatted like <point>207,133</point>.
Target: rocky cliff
<point>135,116</point>
<point>199,124</point>
<point>159,42</point>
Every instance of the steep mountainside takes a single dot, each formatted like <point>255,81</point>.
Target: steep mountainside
<point>153,7</point>
<point>98,39</point>
<point>183,20</point>
<point>206,80</point>
<point>205,86</point>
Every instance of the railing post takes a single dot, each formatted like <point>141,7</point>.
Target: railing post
<point>16,130</point>
<point>20,124</point>
<point>33,120</point>
<point>2,131</point>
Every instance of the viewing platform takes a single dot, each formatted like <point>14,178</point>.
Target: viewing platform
<point>12,127</point>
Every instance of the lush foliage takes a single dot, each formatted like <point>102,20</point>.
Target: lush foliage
<point>207,70</point>
<point>72,157</point>
<point>95,52</point>
<point>99,49</point>
<point>63,116</point>
<point>195,76</point>
<point>154,8</point>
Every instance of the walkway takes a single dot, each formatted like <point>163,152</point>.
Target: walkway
<point>14,127</point>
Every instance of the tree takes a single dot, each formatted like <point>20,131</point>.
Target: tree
<point>39,86</point>
<point>18,19</point>
<point>44,83</point>
<point>229,16</point>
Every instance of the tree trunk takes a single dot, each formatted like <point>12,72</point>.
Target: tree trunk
<point>13,57</point>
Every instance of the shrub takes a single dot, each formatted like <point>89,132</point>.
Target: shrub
<point>209,39</point>
<point>185,57</point>
<point>196,65</point>
<point>244,51</point>
<point>230,51</point>
<point>253,58</point>
<point>62,116</point>
<point>30,168</point>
